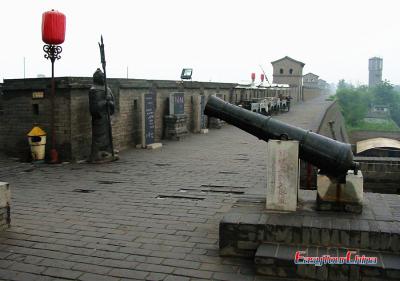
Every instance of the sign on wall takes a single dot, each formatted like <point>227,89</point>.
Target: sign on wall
<point>38,95</point>
<point>149,108</point>
<point>176,103</point>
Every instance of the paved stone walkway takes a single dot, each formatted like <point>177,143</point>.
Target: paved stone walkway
<point>152,215</point>
<point>307,115</point>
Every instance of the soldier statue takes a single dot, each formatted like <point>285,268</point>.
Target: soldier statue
<point>101,108</point>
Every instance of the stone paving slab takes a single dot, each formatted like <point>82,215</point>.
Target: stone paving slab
<point>307,115</point>
<point>153,215</point>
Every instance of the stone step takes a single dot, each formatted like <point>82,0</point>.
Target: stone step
<point>248,224</point>
<point>277,260</point>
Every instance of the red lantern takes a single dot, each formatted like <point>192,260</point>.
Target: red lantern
<point>262,77</point>
<point>53,27</point>
<point>253,77</point>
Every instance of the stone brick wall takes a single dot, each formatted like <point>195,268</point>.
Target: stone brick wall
<point>294,78</point>
<point>20,111</point>
<point>381,174</point>
<point>80,122</point>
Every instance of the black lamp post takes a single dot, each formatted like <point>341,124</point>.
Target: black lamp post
<point>53,34</point>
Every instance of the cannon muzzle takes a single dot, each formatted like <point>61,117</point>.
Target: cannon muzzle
<point>334,158</point>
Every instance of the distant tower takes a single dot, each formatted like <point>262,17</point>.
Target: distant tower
<point>375,71</point>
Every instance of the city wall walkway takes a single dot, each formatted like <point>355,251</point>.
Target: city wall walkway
<point>152,215</point>
<point>307,115</point>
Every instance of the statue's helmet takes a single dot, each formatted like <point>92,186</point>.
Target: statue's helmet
<point>98,77</point>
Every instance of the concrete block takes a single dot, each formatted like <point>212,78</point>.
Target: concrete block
<point>350,192</point>
<point>336,196</point>
<point>204,131</point>
<point>155,145</point>
<point>5,194</point>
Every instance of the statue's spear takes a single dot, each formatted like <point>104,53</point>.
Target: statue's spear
<point>103,64</point>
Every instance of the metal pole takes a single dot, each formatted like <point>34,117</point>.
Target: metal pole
<point>53,151</point>
<point>52,52</point>
<point>103,64</point>
<point>24,67</point>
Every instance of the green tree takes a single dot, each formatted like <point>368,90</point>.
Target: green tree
<point>354,104</point>
<point>384,93</point>
<point>344,85</point>
<point>355,101</point>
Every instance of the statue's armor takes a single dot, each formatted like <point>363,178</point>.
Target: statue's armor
<point>98,103</point>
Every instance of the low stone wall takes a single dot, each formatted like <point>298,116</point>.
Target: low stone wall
<point>356,136</point>
<point>21,110</point>
<point>381,174</point>
<point>332,124</point>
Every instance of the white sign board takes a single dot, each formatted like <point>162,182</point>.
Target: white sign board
<point>282,175</point>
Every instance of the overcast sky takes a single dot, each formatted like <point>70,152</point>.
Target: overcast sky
<point>222,40</point>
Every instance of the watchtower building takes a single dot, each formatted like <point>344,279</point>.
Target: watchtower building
<point>375,67</point>
<point>289,71</point>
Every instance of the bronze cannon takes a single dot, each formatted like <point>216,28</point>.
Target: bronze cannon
<point>332,157</point>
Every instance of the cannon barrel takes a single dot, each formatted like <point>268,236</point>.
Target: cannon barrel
<point>332,157</point>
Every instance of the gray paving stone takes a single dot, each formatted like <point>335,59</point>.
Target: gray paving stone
<point>96,269</point>
<point>16,276</point>
<point>57,263</point>
<point>176,278</point>
<point>181,263</point>
<point>231,277</point>
<point>155,268</point>
<point>120,264</point>
<point>128,273</point>
<point>6,263</point>
<point>97,277</point>
<point>109,255</point>
<point>219,268</point>
<point>154,276</point>
<point>26,267</point>
<point>193,273</point>
<point>63,273</point>
<point>169,255</point>
<point>85,259</point>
